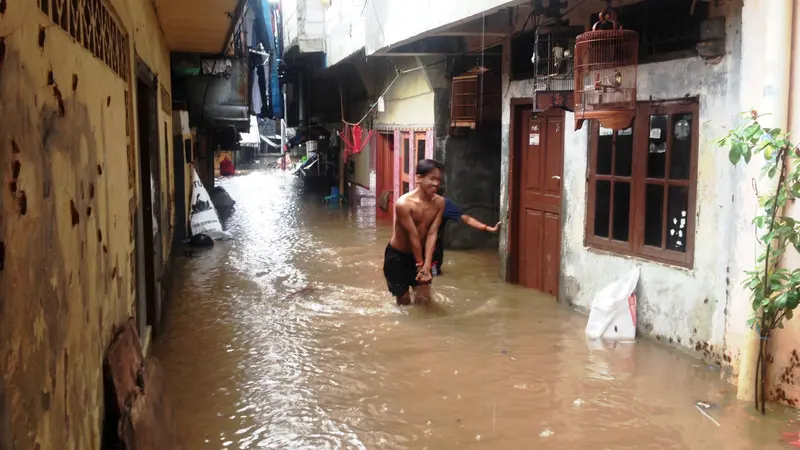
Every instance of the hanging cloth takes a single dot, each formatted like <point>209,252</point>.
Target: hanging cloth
<point>354,140</point>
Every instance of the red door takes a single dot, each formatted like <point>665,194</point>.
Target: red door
<point>385,175</point>
<point>539,161</point>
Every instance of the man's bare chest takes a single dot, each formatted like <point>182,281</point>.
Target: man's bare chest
<point>423,216</point>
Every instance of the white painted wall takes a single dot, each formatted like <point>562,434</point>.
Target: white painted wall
<point>345,29</point>
<point>409,103</point>
<point>393,21</point>
<point>304,25</point>
<point>290,22</point>
<point>682,306</point>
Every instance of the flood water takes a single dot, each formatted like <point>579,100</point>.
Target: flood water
<point>286,338</point>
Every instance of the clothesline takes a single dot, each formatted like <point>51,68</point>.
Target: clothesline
<point>374,104</point>
<point>396,77</point>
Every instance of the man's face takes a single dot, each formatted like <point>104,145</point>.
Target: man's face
<point>430,183</point>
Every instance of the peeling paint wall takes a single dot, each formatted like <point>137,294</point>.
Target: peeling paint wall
<point>685,307</point>
<point>66,243</point>
<point>784,371</point>
<point>472,172</point>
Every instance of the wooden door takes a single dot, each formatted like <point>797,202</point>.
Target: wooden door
<point>539,162</point>
<point>385,173</point>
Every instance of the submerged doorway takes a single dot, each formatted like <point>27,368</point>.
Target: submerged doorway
<point>149,255</point>
<point>536,189</point>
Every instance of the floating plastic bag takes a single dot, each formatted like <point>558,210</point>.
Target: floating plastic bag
<point>204,218</point>
<point>613,314</point>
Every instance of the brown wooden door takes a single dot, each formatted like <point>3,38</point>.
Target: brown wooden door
<point>539,161</point>
<point>385,175</point>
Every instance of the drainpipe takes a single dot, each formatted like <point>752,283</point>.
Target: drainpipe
<point>283,132</point>
<point>777,20</point>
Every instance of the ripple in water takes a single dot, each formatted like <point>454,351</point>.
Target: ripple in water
<point>286,338</point>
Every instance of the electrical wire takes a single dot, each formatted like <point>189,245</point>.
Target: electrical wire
<point>482,48</point>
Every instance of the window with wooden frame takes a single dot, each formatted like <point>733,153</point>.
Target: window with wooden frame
<point>405,170</point>
<point>642,184</point>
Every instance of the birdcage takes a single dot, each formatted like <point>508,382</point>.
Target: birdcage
<point>553,65</point>
<point>606,60</point>
<point>475,99</point>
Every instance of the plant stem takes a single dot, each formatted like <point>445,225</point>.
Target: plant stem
<point>758,372</point>
<point>781,178</point>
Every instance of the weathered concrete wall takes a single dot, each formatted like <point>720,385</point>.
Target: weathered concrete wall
<point>409,103</point>
<point>472,172</point>
<point>686,307</point>
<point>66,239</point>
<point>396,21</point>
<point>344,29</point>
<point>785,349</point>
<point>303,25</point>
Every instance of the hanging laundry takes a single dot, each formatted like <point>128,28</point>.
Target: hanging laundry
<point>354,140</point>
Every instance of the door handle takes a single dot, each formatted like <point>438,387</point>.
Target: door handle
<point>556,177</point>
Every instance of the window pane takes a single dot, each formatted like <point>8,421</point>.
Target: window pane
<point>677,207</point>
<point>624,155</point>
<point>657,147</point>
<point>680,156</point>
<point>604,151</point>
<point>406,156</point>
<point>405,187</point>
<point>420,150</point>
<point>622,208</point>
<point>653,214</point>
<point>602,208</point>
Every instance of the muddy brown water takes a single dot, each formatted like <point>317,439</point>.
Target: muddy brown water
<point>286,338</point>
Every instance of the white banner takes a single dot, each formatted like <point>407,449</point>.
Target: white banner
<point>204,217</point>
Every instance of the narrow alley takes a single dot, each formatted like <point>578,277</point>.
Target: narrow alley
<point>287,338</point>
<point>198,196</point>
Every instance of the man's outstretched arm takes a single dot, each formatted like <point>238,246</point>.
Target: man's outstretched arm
<point>478,225</point>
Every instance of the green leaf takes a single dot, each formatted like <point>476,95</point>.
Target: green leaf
<point>772,171</point>
<point>791,302</point>
<point>790,312</point>
<point>748,153</point>
<point>753,130</point>
<point>735,154</point>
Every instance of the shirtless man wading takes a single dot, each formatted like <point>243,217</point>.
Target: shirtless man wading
<point>417,216</point>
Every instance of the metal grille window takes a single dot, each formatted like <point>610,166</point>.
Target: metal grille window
<point>642,184</point>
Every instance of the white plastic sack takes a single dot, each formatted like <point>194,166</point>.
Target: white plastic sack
<point>204,217</point>
<point>613,314</point>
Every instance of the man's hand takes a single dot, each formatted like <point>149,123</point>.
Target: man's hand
<point>494,229</point>
<point>424,274</point>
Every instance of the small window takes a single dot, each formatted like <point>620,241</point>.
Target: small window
<point>642,184</point>
<point>406,154</point>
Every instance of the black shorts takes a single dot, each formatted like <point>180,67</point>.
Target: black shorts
<point>400,270</point>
